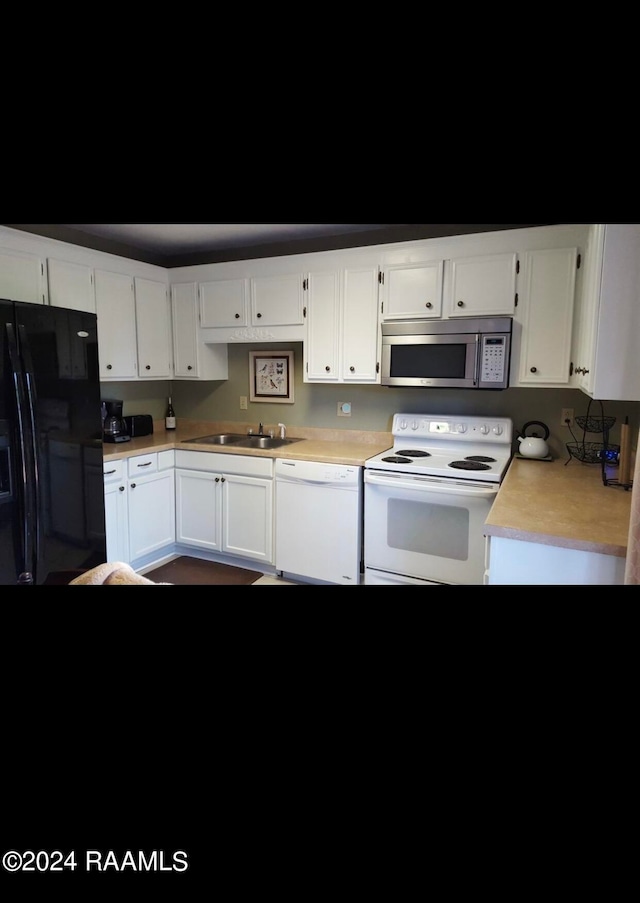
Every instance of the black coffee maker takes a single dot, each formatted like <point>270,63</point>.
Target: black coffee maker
<point>114,428</point>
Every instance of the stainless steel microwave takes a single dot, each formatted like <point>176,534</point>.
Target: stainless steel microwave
<point>472,353</point>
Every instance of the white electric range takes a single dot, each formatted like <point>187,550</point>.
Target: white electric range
<point>427,497</point>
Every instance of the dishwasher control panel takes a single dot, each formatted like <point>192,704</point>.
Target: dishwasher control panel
<point>346,475</point>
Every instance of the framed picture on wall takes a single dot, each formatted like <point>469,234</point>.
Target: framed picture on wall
<point>271,376</point>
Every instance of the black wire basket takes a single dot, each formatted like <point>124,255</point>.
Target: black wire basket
<point>593,452</point>
<point>595,424</point>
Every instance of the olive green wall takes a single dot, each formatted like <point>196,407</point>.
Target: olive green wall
<point>373,407</point>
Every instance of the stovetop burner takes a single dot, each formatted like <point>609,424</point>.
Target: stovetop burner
<point>469,464</point>
<point>481,459</point>
<point>414,453</point>
<point>396,459</point>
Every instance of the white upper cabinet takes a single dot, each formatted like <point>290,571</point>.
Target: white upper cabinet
<point>115,307</point>
<point>192,359</point>
<point>224,303</point>
<point>411,291</point>
<point>342,339</point>
<point>22,277</point>
<point>481,286</point>
<point>546,304</point>
<point>277,300</point>
<point>71,285</point>
<point>606,358</point>
<point>153,329</point>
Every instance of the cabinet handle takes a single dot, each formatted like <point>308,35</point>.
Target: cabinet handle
<point>147,464</point>
<point>428,305</point>
<point>133,485</point>
<point>217,479</point>
<point>189,367</point>
<point>147,367</point>
<point>259,316</point>
<point>352,369</point>
<point>328,369</point>
<point>237,316</point>
<point>460,303</point>
<point>120,488</point>
<point>108,473</point>
<point>534,369</point>
<point>109,367</point>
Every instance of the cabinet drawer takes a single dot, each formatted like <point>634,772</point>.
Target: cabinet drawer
<point>140,465</point>
<point>113,471</point>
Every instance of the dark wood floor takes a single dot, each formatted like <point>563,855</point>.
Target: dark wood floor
<point>186,571</point>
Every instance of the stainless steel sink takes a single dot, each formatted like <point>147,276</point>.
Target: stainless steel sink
<point>218,439</point>
<point>241,440</point>
<point>263,442</point>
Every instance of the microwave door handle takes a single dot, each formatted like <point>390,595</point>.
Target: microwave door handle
<point>424,484</point>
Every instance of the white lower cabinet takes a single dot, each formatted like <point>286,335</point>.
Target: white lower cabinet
<point>116,510</point>
<point>139,506</point>
<point>514,562</point>
<point>224,503</point>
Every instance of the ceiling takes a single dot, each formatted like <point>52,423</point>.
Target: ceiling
<point>189,244</point>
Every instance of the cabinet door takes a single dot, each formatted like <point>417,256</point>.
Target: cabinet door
<point>115,306</point>
<point>153,329</point>
<point>223,303</point>
<point>21,277</point>
<point>547,301</point>
<point>152,507</point>
<point>482,286</point>
<point>321,348</point>
<point>412,290</point>
<point>198,509</point>
<point>116,520</point>
<point>247,517</point>
<point>192,358</point>
<point>360,328</point>
<point>277,300</point>
<point>71,285</point>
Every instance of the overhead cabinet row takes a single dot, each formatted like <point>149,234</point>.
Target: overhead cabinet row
<point>574,306</point>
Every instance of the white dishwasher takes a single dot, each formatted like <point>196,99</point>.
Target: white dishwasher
<point>319,521</point>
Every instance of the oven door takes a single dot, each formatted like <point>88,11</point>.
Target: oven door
<point>426,528</point>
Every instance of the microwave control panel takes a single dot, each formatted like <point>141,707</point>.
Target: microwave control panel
<point>494,361</point>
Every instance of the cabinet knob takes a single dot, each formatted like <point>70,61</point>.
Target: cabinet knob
<point>237,316</point>
<point>133,485</point>
<point>109,367</point>
<point>147,367</point>
<point>460,303</point>
<point>328,369</point>
<point>428,305</point>
<point>352,369</point>
<point>120,488</point>
<point>259,316</point>
<point>217,479</point>
<point>189,367</point>
<point>534,369</point>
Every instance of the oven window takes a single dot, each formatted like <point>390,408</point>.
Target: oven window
<point>429,361</point>
<point>428,529</point>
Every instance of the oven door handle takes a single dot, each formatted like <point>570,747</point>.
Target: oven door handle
<point>426,484</point>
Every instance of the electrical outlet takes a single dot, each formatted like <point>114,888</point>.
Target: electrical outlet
<point>243,402</point>
<point>567,414</point>
<point>344,409</point>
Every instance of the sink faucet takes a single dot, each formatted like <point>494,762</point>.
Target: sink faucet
<point>283,430</point>
<point>260,430</point>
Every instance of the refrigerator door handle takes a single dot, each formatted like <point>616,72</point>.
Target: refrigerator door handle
<point>27,470</point>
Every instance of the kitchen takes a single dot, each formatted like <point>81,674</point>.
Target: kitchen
<point>340,406</point>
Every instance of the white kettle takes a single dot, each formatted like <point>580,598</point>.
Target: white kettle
<point>533,446</point>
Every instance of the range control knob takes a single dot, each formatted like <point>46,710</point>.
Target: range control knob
<point>484,429</point>
<point>497,430</point>
<point>415,425</point>
<point>461,428</point>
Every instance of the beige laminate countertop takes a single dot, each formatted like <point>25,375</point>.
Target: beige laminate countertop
<point>566,506</point>
<point>326,446</point>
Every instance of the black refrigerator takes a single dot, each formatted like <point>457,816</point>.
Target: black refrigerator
<point>51,483</point>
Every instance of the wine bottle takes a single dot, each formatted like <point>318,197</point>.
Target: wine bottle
<point>170,417</point>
